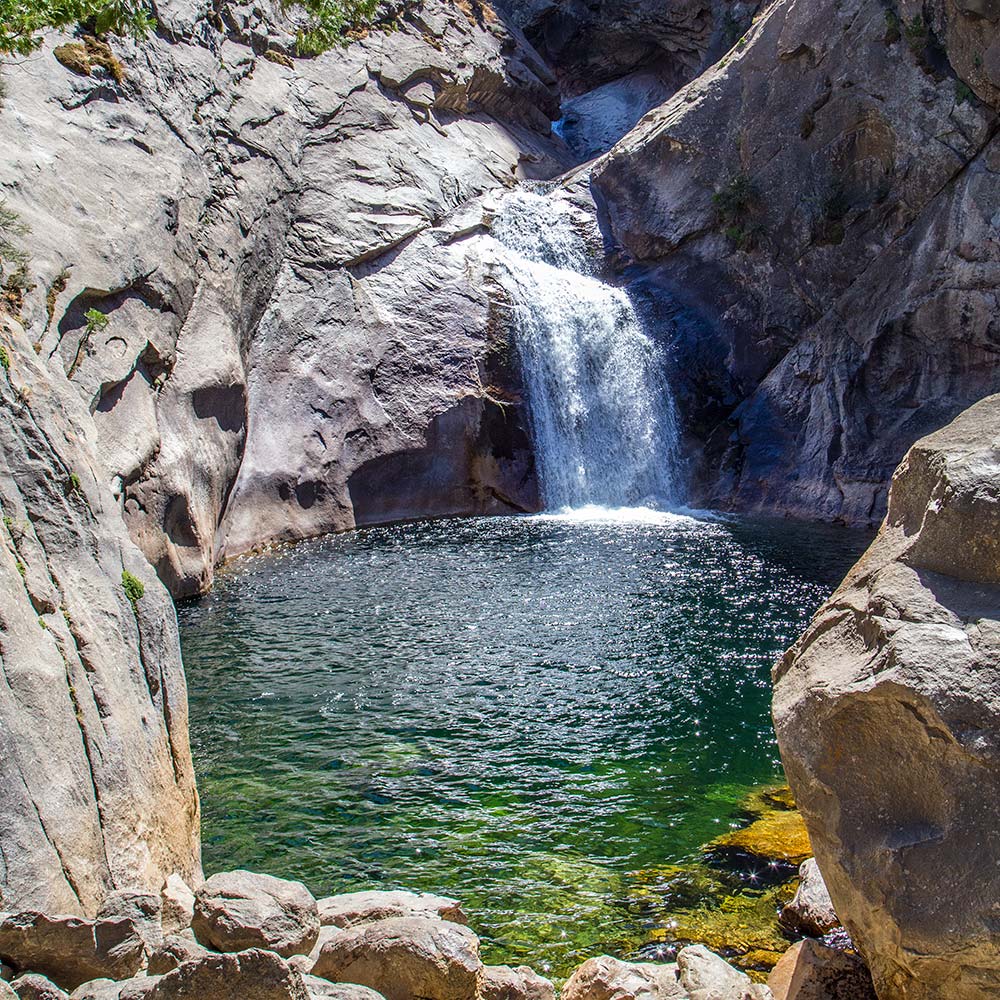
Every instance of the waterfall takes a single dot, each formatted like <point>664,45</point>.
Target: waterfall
<point>600,410</point>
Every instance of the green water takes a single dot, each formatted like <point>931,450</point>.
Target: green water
<point>519,712</point>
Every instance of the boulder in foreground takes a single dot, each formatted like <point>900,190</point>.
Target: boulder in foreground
<point>887,712</point>
<point>810,911</point>
<point>405,958</point>
<point>239,910</point>
<point>501,982</point>
<point>247,975</point>
<point>811,971</point>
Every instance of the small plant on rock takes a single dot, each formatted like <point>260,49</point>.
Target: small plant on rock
<point>132,585</point>
<point>4,358</point>
<point>963,92</point>
<point>23,21</point>
<point>332,22</point>
<point>917,34</point>
<point>735,205</point>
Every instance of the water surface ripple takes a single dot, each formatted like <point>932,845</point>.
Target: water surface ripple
<point>514,711</point>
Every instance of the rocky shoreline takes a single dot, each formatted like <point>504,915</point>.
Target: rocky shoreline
<point>246,935</point>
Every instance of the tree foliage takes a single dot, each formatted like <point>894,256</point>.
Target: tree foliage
<point>21,21</point>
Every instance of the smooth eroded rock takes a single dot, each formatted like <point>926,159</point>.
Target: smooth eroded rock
<point>405,958</point>
<point>607,978</point>
<point>174,950</point>
<point>351,908</point>
<point>704,975</point>
<point>810,911</point>
<point>888,718</point>
<point>69,950</point>
<point>810,971</point>
<point>501,982</point>
<point>256,974</point>
<point>323,989</point>
<point>238,910</point>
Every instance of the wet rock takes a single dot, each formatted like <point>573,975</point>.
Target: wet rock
<point>255,973</point>
<point>501,982</point>
<point>810,911</point>
<point>810,971</point>
<point>405,958</point>
<point>780,835</point>
<point>703,975</point>
<point>36,987</point>
<point>888,719</point>
<point>174,950</point>
<point>71,951</point>
<point>177,904</point>
<point>352,908</point>
<point>238,910</point>
<point>607,978</point>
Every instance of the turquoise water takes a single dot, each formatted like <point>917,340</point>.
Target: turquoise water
<point>519,712</point>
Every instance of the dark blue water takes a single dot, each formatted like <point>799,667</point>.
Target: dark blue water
<point>519,712</point>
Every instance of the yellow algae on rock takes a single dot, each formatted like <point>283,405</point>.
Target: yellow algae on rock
<point>777,836</point>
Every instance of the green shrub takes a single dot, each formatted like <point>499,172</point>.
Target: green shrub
<point>733,201</point>
<point>331,22</point>
<point>132,585</point>
<point>4,358</point>
<point>963,92</point>
<point>917,34</point>
<point>22,21</point>
<point>96,320</point>
<point>11,227</point>
<point>892,32</point>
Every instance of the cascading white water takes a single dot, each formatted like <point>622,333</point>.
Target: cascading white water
<point>601,412</point>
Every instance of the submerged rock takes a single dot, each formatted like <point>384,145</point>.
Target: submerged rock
<point>780,835</point>
<point>810,971</point>
<point>405,958</point>
<point>810,911</point>
<point>501,982</point>
<point>71,951</point>
<point>888,719</point>
<point>351,908</point>
<point>238,910</point>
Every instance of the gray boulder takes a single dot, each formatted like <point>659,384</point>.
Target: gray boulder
<point>607,978</point>
<point>69,950</point>
<point>36,987</point>
<point>501,982</point>
<point>810,911</point>
<point>351,908</point>
<point>176,904</point>
<point>888,720</point>
<point>262,975</point>
<point>405,958</point>
<point>703,975</point>
<point>174,950</point>
<point>239,910</point>
<point>323,989</point>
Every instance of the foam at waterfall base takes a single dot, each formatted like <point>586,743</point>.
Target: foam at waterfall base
<point>597,514</point>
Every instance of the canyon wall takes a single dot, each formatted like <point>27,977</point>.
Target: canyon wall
<point>811,224</point>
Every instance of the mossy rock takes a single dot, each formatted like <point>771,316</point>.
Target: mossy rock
<point>273,55</point>
<point>73,56</point>
<point>779,835</point>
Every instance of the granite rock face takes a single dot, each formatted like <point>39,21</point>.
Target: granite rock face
<point>293,320</point>
<point>94,759</point>
<point>813,220</point>
<point>888,718</point>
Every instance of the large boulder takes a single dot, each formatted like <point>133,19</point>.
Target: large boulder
<point>810,911</point>
<point>239,910</point>
<point>811,971</point>
<point>143,909</point>
<point>405,958</point>
<point>174,950</point>
<point>888,719</point>
<point>69,950</point>
<point>607,978</point>
<point>351,908</point>
<point>501,982</point>
<point>138,988</point>
<point>262,975</point>
<point>703,975</point>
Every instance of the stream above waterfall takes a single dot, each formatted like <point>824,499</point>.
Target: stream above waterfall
<point>525,713</point>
